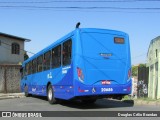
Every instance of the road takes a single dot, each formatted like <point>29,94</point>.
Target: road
<point>35,103</point>
<point>41,104</point>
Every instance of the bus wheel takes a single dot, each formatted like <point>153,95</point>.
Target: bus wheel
<point>26,91</point>
<point>50,95</point>
<point>89,101</point>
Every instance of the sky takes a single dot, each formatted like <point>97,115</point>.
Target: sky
<point>45,21</point>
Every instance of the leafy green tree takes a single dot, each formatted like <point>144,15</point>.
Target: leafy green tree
<point>142,65</point>
<point>26,56</point>
<point>134,70</point>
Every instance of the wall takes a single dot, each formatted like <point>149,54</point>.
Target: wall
<point>10,78</point>
<point>5,51</point>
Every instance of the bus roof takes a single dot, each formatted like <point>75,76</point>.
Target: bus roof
<point>57,42</point>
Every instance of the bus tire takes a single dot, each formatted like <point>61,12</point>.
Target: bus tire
<point>50,95</point>
<point>26,91</point>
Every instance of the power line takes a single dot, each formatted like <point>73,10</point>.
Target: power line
<point>79,1</point>
<point>75,7</point>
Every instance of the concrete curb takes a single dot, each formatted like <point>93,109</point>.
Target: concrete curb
<point>11,95</point>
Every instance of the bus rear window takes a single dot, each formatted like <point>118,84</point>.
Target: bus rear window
<point>119,40</point>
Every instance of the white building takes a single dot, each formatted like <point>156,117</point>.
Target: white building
<point>153,62</point>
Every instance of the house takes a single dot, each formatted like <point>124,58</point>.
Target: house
<point>11,49</point>
<point>11,56</point>
<point>153,62</point>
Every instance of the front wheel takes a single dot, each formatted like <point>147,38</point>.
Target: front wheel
<point>50,95</point>
<point>26,91</point>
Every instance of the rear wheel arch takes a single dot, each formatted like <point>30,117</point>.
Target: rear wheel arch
<point>50,94</point>
<point>49,83</point>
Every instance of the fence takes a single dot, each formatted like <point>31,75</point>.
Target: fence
<point>10,78</point>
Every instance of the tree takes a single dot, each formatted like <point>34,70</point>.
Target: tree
<point>26,56</point>
<point>134,70</point>
<point>142,65</point>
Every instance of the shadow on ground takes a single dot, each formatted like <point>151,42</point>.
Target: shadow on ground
<point>101,103</point>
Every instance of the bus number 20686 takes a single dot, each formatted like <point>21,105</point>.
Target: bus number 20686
<point>106,89</point>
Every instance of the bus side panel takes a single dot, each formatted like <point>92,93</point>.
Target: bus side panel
<point>60,78</point>
<point>64,88</point>
<point>32,83</point>
<point>62,83</point>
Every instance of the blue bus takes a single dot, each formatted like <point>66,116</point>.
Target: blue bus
<point>87,64</point>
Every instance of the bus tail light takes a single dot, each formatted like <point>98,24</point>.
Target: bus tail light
<point>129,73</point>
<point>129,89</point>
<point>80,74</point>
<point>80,90</point>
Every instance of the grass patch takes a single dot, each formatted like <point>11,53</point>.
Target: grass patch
<point>127,97</point>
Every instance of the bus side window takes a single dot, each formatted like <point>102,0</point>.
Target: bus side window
<point>30,68</point>
<point>34,66</point>
<point>39,63</point>
<point>56,57</point>
<point>46,60</point>
<point>26,69</point>
<point>67,52</point>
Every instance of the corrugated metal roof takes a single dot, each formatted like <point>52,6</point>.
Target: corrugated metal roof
<point>15,37</point>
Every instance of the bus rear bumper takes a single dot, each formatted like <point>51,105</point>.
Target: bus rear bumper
<point>91,90</point>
